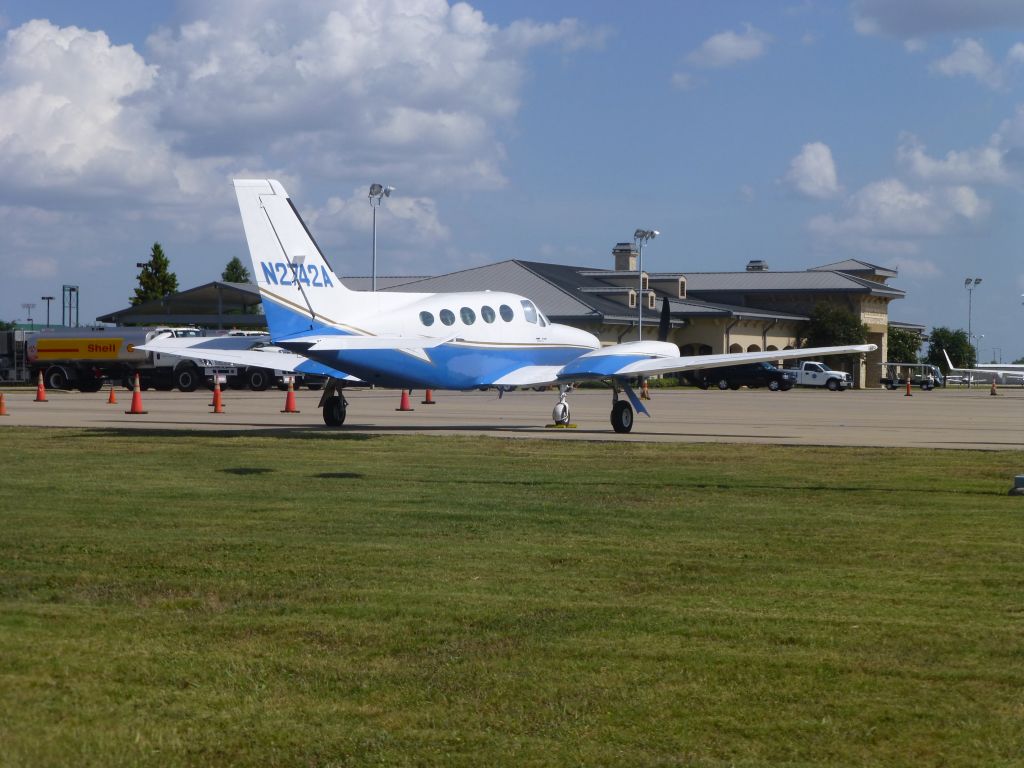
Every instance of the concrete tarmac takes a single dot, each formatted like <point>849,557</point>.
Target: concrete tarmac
<point>951,418</point>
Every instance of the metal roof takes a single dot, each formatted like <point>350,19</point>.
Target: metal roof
<point>216,303</point>
<point>856,265</point>
<point>784,282</point>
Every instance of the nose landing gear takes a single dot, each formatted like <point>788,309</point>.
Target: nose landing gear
<point>560,414</point>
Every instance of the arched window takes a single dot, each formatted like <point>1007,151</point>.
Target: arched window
<point>426,318</point>
<point>487,314</point>
<point>447,316</point>
<point>753,348</point>
<point>771,348</point>
<point>506,313</point>
<point>735,348</point>
<point>468,315</point>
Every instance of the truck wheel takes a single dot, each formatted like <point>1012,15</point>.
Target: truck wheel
<point>832,384</point>
<point>90,385</point>
<point>186,379</point>
<point>257,379</point>
<point>56,377</point>
<point>774,386</point>
<point>723,384</point>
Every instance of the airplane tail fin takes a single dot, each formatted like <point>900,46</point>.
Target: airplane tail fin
<point>300,290</point>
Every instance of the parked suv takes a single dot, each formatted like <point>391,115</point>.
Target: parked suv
<point>752,375</point>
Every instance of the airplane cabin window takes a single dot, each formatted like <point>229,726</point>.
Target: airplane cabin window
<point>468,315</point>
<point>447,316</point>
<point>426,318</point>
<point>506,313</point>
<point>529,311</point>
<point>487,314</point>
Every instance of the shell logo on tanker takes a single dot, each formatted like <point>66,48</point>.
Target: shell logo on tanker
<point>63,349</point>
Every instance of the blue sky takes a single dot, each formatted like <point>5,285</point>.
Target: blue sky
<point>798,132</point>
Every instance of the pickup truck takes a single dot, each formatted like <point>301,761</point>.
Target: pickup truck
<point>812,373</point>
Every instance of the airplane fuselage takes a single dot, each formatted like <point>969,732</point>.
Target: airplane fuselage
<point>487,335</point>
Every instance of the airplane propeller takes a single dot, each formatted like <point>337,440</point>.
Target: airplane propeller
<point>665,323</point>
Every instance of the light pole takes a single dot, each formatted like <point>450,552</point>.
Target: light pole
<point>640,237</point>
<point>28,314</point>
<point>970,283</point>
<point>377,193</point>
<point>47,299</point>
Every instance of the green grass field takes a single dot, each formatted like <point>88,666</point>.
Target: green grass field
<point>173,599</point>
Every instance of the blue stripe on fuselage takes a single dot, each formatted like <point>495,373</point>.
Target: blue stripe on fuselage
<point>450,366</point>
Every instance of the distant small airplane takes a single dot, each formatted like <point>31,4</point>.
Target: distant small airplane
<point>1004,373</point>
<point>457,341</point>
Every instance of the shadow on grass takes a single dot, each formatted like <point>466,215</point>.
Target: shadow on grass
<point>289,433</point>
<point>247,470</point>
<point>340,475</point>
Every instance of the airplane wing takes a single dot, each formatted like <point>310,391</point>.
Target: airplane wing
<point>238,350</point>
<point>646,358</point>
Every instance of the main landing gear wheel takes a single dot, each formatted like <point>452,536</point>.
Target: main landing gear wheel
<point>334,411</point>
<point>622,416</point>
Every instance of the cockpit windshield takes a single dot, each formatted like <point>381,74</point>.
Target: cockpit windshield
<point>529,311</point>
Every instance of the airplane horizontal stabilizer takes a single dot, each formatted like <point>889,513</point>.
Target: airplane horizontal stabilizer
<point>230,352</point>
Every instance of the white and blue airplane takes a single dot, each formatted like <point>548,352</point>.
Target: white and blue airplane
<point>455,341</point>
<point>1008,373</point>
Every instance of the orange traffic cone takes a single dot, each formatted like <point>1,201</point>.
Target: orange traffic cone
<point>428,398</point>
<point>40,390</point>
<point>136,397</point>
<point>3,405</point>
<point>404,405</point>
<point>112,400</point>
<point>218,406</point>
<point>908,392</point>
<point>645,393</point>
<point>993,390</point>
<point>289,400</point>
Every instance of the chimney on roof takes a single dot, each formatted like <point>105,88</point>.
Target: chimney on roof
<point>625,257</point>
<point>757,265</point>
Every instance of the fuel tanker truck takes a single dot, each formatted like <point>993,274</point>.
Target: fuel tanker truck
<point>82,358</point>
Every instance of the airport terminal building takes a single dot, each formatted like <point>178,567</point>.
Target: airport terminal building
<point>710,312</point>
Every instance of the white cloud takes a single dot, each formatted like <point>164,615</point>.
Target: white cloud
<point>400,218</point>
<point>982,165</point>
<point>570,33</point>
<point>683,81</point>
<point>888,217</point>
<point>813,172</point>
<point>729,48</point>
<point>970,59</point>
